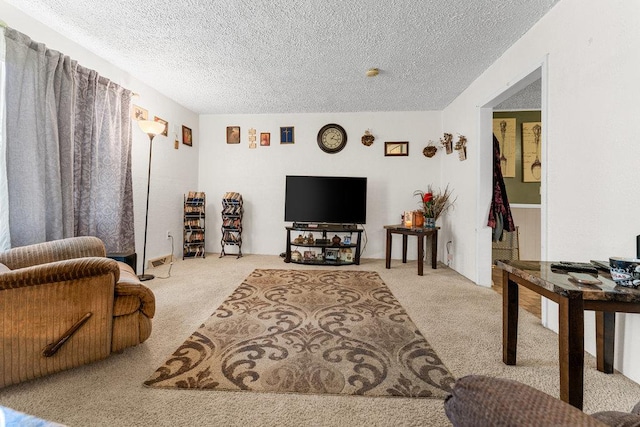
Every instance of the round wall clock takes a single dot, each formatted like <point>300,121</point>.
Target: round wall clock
<point>332,138</point>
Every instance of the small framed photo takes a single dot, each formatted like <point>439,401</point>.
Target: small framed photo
<point>187,136</point>
<point>165,132</point>
<point>286,135</point>
<point>346,255</point>
<point>396,148</point>
<point>265,139</point>
<point>233,134</point>
<point>331,254</point>
<point>346,240</point>
<point>139,113</point>
<point>309,255</point>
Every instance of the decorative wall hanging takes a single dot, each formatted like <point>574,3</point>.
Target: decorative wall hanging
<point>265,139</point>
<point>461,147</point>
<point>139,113</point>
<point>286,135</point>
<point>252,138</point>
<point>367,138</point>
<point>396,148</point>
<point>531,149</point>
<point>430,150</point>
<point>505,131</point>
<point>233,134</point>
<point>187,137</point>
<point>447,143</point>
<point>165,132</point>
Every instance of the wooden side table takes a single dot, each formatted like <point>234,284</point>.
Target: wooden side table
<point>420,232</point>
<point>606,299</point>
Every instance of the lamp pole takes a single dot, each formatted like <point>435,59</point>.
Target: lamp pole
<point>151,128</point>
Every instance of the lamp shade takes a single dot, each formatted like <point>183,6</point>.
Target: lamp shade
<point>151,127</point>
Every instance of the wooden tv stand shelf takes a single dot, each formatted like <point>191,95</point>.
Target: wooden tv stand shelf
<point>323,236</point>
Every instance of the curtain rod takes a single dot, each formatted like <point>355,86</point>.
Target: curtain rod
<point>4,25</point>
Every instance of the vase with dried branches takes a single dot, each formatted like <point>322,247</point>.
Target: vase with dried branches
<point>435,202</point>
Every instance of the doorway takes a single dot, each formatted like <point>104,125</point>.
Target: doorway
<point>485,183</point>
<point>516,125</point>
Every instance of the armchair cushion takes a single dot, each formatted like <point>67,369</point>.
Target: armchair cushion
<point>59,271</point>
<point>57,250</point>
<point>486,401</point>
<point>131,295</point>
<point>618,419</point>
<point>133,309</point>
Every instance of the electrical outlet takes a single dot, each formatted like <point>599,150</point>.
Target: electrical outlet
<point>168,234</point>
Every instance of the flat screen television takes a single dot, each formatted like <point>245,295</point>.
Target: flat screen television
<point>325,199</point>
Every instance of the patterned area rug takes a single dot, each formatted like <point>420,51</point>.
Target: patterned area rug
<point>292,331</point>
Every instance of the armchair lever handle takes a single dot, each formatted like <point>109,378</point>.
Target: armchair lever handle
<point>53,348</point>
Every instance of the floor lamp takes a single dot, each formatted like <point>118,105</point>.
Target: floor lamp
<point>151,128</point>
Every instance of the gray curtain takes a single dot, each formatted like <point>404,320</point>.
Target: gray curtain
<point>39,141</point>
<point>103,198</point>
<point>68,149</point>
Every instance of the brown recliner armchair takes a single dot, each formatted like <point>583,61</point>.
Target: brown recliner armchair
<point>64,304</point>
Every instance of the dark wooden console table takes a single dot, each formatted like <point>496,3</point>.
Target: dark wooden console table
<point>420,232</point>
<point>572,298</point>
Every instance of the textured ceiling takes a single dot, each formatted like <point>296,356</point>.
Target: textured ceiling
<point>529,98</point>
<point>288,56</point>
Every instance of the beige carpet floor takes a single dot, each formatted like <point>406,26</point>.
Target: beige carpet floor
<point>460,320</point>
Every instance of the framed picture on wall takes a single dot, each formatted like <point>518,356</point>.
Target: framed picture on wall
<point>187,136</point>
<point>396,148</point>
<point>165,132</point>
<point>233,134</point>
<point>505,130</point>
<point>286,135</point>
<point>265,139</point>
<point>139,113</point>
<point>531,149</point>
<point>252,138</point>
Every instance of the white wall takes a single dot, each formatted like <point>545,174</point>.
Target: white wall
<point>173,171</point>
<point>259,174</point>
<point>591,148</point>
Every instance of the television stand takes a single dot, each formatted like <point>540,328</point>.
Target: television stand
<point>323,248</point>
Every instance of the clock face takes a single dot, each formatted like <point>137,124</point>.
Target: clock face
<point>332,138</point>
